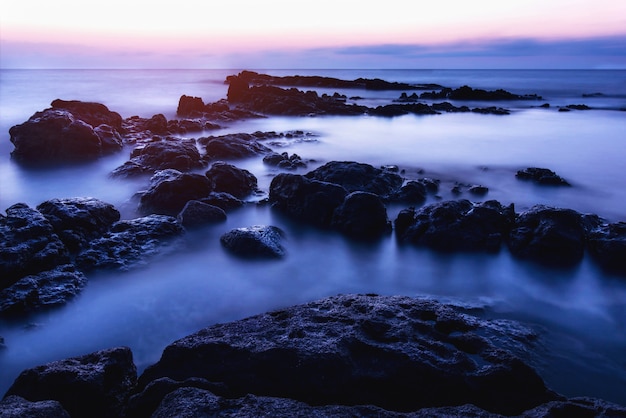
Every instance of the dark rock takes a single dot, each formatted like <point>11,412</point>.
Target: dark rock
<point>190,106</point>
<point>182,155</point>
<point>168,196</point>
<point>548,235</point>
<point>254,242</point>
<point>491,110</point>
<point>233,146</point>
<point>576,407</point>
<point>361,215</point>
<point>413,192</point>
<point>56,135</point>
<point>94,385</point>
<point>183,126</point>
<point>28,244</point>
<point>225,201</point>
<point>343,350</point>
<point>95,114</point>
<point>402,109</point>
<point>79,220</point>
<point>607,245</point>
<point>42,290</point>
<point>477,190</point>
<point>18,407</point>
<point>541,176</point>
<point>468,93</point>
<point>196,213</point>
<point>307,200</point>
<point>456,225</point>
<point>110,138</point>
<point>130,242</point>
<point>578,107</point>
<point>284,160</point>
<point>230,179</point>
<point>355,176</point>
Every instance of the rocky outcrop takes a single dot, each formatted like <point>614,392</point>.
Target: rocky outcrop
<point>543,176</point>
<point>232,180</point>
<point>195,107</point>
<point>130,242</point>
<point>233,146</point>
<point>168,195</point>
<point>361,215</point>
<point>43,290</point>
<point>456,225</point>
<point>284,161</point>
<point>355,176</point>
<point>343,350</point>
<point>468,93</point>
<point>79,220</point>
<point>94,385</point>
<point>180,154</point>
<point>28,245</point>
<point>259,241</point>
<point>17,407</point>
<point>69,131</point>
<point>550,235</point>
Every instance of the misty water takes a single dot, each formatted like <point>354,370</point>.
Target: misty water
<point>578,313</point>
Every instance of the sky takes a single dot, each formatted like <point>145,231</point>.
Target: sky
<point>315,34</point>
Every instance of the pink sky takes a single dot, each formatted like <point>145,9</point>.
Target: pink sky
<point>245,33</point>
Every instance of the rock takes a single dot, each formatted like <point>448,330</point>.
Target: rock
<point>578,107</point>
<point>361,215</point>
<point>28,244</point>
<point>17,407</point>
<point>468,93</point>
<point>254,242</point>
<point>456,225</point>
<point>196,213</point>
<point>182,155</point>
<point>42,290</point>
<point>478,190</point>
<point>94,385</point>
<point>230,179</point>
<point>284,161</point>
<point>309,201</point>
<point>222,200</point>
<point>79,220</point>
<point>67,132</point>
<point>355,176</point>
<point>190,106</point>
<point>541,176</point>
<point>403,109</point>
<point>607,246</point>
<point>413,192</point>
<point>232,146</point>
<point>549,235</point>
<point>576,407</point>
<point>168,196</point>
<point>344,349</point>
<point>130,242</point>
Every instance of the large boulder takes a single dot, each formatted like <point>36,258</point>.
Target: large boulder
<point>355,176</point>
<point>306,200</point>
<point>232,180</point>
<point>259,241</point>
<point>67,132</point>
<point>182,155</point>
<point>232,146</point>
<point>396,353</point>
<point>169,193</point>
<point>361,215</point>
<point>456,225</point>
<point>79,220</point>
<point>93,385</point>
<point>43,290</point>
<point>548,235</point>
<point>607,245</point>
<point>130,242</point>
<point>196,213</point>
<point>18,407</point>
<point>28,244</point>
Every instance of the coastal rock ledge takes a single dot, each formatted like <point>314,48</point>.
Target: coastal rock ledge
<point>343,356</point>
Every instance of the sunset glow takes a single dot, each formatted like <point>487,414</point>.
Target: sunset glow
<point>218,33</point>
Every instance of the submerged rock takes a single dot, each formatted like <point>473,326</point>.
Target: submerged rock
<point>171,190</point>
<point>254,242</point>
<point>355,176</point>
<point>541,176</point>
<point>196,213</point>
<point>94,385</point>
<point>232,146</point>
<point>345,349</point>
<point>361,215</point>
<point>607,246</point>
<point>231,179</point>
<point>182,155</point>
<point>284,161</point>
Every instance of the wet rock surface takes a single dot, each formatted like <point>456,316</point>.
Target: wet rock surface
<point>607,245</point>
<point>196,213</point>
<point>231,179</point>
<point>361,215</point>
<point>171,190</point>
<point>232,146</point>
<point>182,155</point>
<point>354,176</point>
<point>18,407</point>
<point>259,241</point>
<point>93,385</point>
<point>543,176</point>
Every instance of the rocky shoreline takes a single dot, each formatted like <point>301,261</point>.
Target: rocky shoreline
<point>355,355</point>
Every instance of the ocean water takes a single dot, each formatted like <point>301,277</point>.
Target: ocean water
<point>578,313</point>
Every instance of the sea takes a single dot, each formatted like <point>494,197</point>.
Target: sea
<point>578,313</point>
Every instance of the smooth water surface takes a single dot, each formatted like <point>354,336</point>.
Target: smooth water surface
<point>579,313</point>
